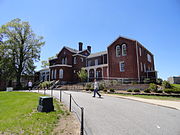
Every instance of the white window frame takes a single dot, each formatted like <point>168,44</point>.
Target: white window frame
<point>65,61</point>
<point>120,66</point>
<point>75,60</point>
<point>62,61</point>
<point>61,72</point>
<point>96,62</point>
<point>140,51</point>
<point>118,51</point>
<point>124,50</point>
<point>82,59</point>
<point>149,57</point>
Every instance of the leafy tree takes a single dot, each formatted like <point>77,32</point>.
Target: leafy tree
<point>22,47</point>
<point>82,74</point>
<point>159,81</point>
<point>44,64</point>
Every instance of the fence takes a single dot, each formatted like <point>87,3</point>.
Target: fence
<point>70,106</point>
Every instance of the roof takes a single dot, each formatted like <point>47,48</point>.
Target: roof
<point>71,50</point>
<point>97,54</point>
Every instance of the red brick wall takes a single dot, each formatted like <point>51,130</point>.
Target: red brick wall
<point>129,59</point>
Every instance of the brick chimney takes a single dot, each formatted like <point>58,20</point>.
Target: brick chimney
<point>89,48</point>
<point>80,46</point>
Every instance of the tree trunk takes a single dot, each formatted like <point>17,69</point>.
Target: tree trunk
<point>18,81</point>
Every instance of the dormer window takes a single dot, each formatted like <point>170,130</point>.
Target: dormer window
<point>118,51</point>
<point>149,57</point>
<point>124,50</point>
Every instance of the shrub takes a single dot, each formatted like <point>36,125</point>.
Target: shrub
<point>105,90</point>
<point>166,84</point>
<point>159,81</point>
<point>147,80</point>
<point>101,86</point>
<point>92,89</point>
<point>153,87</point>
<point>159,91</point>
<point>167,90</point>
<point>136,90</point>
<point>88,86</point>
<point>129,90</point>
<point>112,90</point>
<point>147,90</point>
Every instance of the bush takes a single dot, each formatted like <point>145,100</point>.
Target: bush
<point>147,80</point>
<point>92,89</point>
<point>88,86</point>
<point>159,81</point>
<point>136,90</point>
<point>147,90</point>
<point>112,90</point>
<point>129,90</point>
<point>101,86</point>
<point>159,91</point>
<point>166,85</point>
<point>175,90</point>
<point>153,87</point>
<point>105,90</point>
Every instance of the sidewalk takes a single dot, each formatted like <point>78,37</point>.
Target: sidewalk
<point>165,103</point>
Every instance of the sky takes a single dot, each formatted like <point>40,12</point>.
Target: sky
<point>154,23</point>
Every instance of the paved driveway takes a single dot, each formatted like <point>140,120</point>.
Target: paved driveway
<point>117,116</point>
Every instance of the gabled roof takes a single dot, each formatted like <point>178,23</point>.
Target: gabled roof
<point>71,50</point>
<point>97,54</point>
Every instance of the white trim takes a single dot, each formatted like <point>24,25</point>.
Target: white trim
<point>118,47</point>
<point>120,66</point>
<point>79,55</point>
<point>124,46</point>
<point>98,66</point>
<point>61,65</point>
<point>137,57</point>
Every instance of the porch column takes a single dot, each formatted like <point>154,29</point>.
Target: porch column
<point>95,73</point>
<point>102,73</point>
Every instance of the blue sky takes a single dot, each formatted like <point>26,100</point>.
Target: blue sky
<point>154,23</point>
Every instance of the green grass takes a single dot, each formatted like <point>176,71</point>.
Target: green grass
<point>18,114</point>
<point>153,97</point>
<point>176,85</point>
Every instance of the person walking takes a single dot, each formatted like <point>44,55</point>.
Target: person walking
<point>30,85</point>
<point>96,88</point>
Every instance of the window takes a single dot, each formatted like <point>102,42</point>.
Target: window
<point>61,73</point>
<point>140,51</point>
<point>122,65</point>
<point>74,60</point>
<point>52,74</point>
<point>55,74</point>
<point>82,59</point>
<point>124,50</point>
<point>144,67</point>
<point>141,67</point>
<point>65,61</point>
<point>89,63</point>
<point>149,57</point>
<point>62,61</point>
<point>118,51</point>
<point>96,62</point>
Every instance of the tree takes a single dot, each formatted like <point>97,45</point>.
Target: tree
<point>82,74</point>
<point>22,47</point>
<point>44,64</point>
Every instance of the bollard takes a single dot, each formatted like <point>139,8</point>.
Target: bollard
<point>60,95</point>
<point>70,104</point>
<point>82,121</point>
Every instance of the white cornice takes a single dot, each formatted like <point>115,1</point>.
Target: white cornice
<point>60,65</point>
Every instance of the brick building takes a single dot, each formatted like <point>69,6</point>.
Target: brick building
<point>124,59</point>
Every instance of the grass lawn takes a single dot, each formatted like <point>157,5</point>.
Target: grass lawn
<point>18,114</point>
<point>176,85</point>
<point>153,97</point>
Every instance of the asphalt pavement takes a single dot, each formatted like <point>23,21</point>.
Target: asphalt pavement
<point>120,116</point>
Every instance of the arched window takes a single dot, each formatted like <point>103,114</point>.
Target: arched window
<point>124,50</point>
<point>52,74</point>
<point>55,74</point>
<point>118,51</point>
<point>62,61</point>
<point>66,60</point>
<point>61,74</point>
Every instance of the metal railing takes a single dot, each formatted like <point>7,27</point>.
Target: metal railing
<point>70,106</point>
